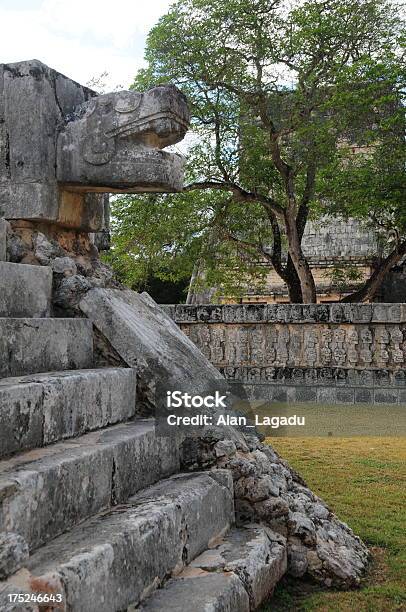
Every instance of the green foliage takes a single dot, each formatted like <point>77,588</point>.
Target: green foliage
<point>165,235</point>
<point>271,87</point>
<point>343,276</point>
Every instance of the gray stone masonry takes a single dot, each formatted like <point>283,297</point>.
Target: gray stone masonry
<point>25,291</point>
<point>238,574</point>
<point>37,410</point>
<point>265,488</point>
<point>217,592</point>
<point>79,478</point>
<point>256,554</point>
<point>337,239</point>
<point>13,553</point>
<point>28,346</point>
<point>288,313</point>
<point>81,500</point>
<point>121,556</point>
<point>291,346</point>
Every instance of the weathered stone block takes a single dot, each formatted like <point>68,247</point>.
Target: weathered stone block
<point>117,558</point>
<point>146,338</point>
<point>13,553</point>
<point>200,591</point>
<point>25,291</point>
<point>386,396</point>
<point>326,395</point>
<point>255,554</point>
<point>80,477</point>
<point>361,313</point>
<point>114,141</point>
<point>306,394</point>
<point>364,396</point>
<point>402,396</point>
<point>42,97</point>
<point>344,396</point>
<point>28,346</point>
<point>38,410</point>
<point>289,313</point>
<point>388,313</point>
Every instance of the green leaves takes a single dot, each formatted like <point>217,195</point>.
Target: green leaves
<point>299,102</point>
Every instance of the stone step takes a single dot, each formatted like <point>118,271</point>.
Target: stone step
<point>119,557</point>
<point>236,576</point>
<point>47,491</point>
<point>29,346</point>
<point>200,592</point>
<point>25,291</point>
<point>40,409</point>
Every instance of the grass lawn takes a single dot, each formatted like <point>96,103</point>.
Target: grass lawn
<point>364,481</point>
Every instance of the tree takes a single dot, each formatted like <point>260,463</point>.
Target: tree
<point>167,236</point>
<point>271,89</point>
<point>370,184</point>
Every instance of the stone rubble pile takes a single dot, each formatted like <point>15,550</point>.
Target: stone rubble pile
<point>269,491</point>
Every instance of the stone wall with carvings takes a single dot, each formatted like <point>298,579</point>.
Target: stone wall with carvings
<point>358,348</point>
<point>339,239</point>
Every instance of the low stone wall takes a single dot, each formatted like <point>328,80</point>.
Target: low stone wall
<point>335,353</point>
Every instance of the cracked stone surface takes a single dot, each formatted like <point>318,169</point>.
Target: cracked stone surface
<point>220,592</point>
<point>255,554</point>
<point>122,555</point>
<point>13,553</point>
<point>47,491</point>
<point>266,488</point>
<point>28,346</point>
<point>25,291</point>
<point>38,410</point>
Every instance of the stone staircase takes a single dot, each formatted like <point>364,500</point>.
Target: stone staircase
<point>93,495</point>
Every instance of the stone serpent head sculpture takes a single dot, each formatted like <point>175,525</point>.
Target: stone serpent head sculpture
<point>114,142</point>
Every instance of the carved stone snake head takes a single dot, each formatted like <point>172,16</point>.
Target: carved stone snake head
<point>114,142</point>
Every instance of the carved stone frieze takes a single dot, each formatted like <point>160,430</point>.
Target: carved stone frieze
<point>311,345</point>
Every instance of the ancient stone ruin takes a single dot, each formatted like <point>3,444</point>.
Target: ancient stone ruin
<point>97,511</point>
<point>325,353</point>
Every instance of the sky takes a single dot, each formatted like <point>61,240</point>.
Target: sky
<point>80,38</point>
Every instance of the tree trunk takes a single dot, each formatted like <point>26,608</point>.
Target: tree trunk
<point>195,273</point>
<point>292,281</point>
<point>369,290</point>
<point>300,263</point>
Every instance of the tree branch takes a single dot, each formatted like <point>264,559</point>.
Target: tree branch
<point>369,290</point>
<point>239,193</point>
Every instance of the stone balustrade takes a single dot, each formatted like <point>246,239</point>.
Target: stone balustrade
<point>359,349</point>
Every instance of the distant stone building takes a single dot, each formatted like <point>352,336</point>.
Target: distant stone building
<point>341,254</point>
